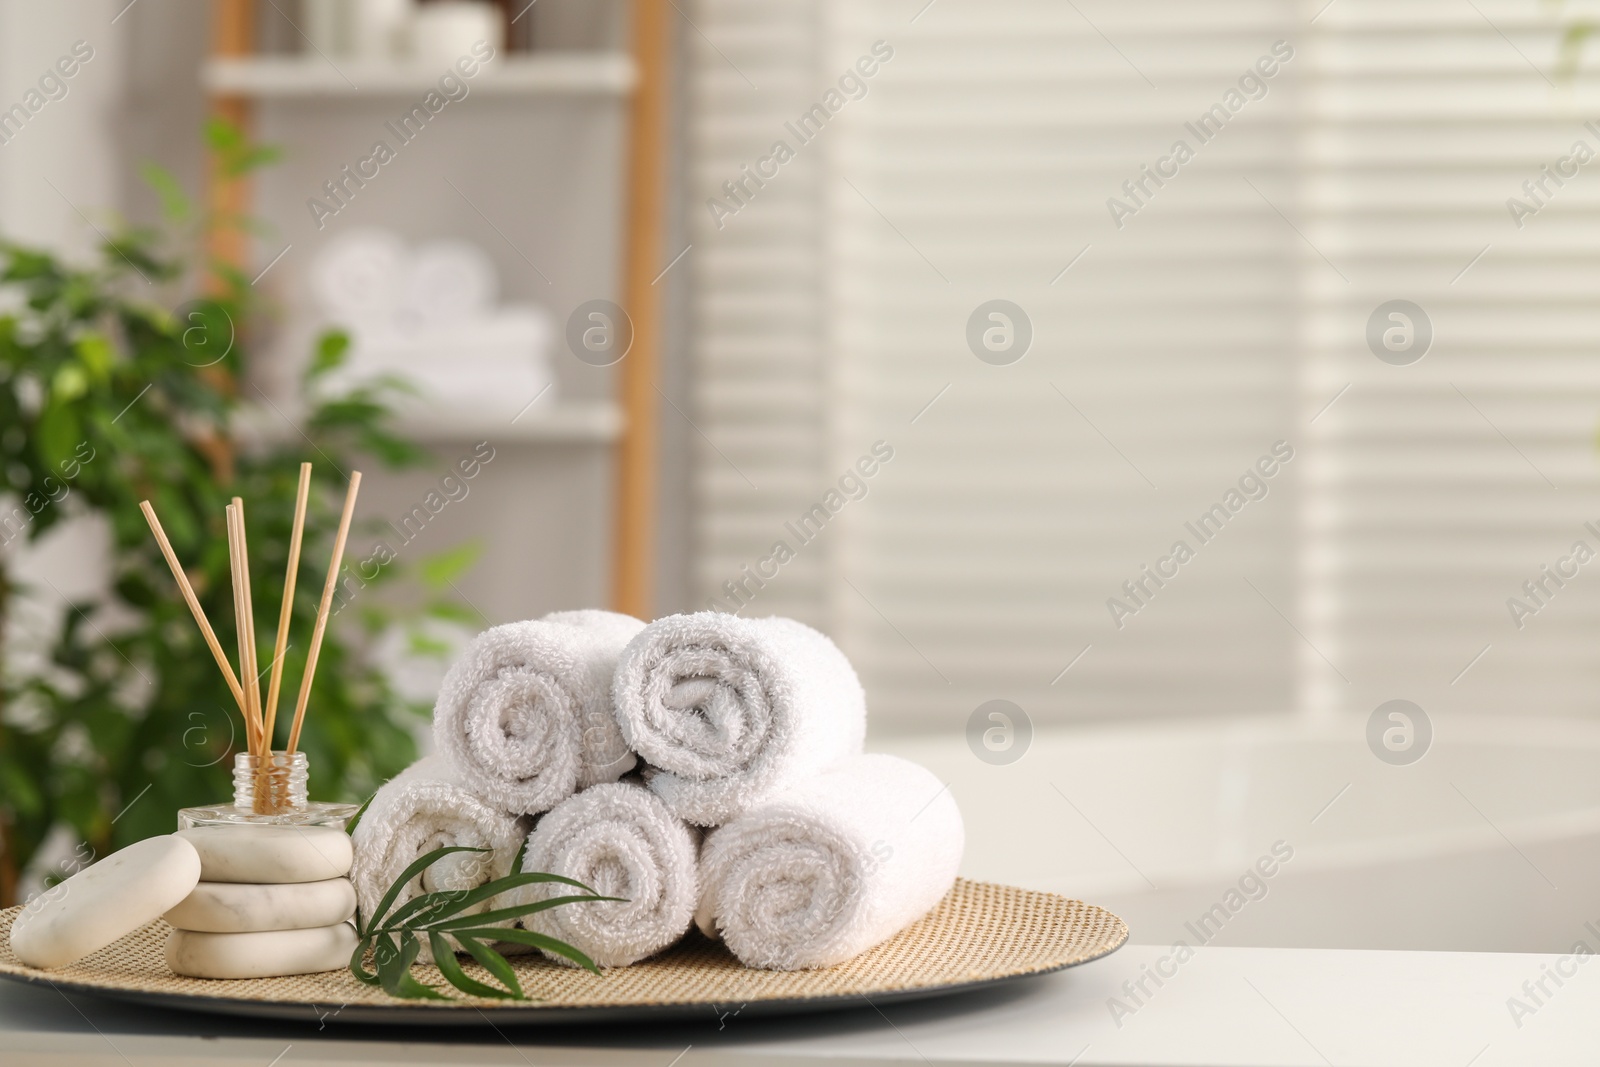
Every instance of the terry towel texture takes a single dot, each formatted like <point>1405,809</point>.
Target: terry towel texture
<point>833,866</point>
<point>728,711</point>
<point>423,808</point>
<point>524,717</point>
<point>620,840</point>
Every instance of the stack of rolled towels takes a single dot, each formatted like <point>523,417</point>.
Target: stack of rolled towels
<point>706,768</point>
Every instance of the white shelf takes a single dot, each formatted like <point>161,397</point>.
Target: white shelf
<point>312,77</point>
<point>569,421</point>
<point>580,422</point>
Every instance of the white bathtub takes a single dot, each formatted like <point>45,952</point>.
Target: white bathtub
<point>1491,842</point>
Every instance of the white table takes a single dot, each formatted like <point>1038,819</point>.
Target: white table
<point>1235,1006</point>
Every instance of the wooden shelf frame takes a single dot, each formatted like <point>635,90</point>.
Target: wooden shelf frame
<point>236,79</point>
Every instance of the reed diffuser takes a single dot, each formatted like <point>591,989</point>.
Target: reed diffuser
<point>268,785</point>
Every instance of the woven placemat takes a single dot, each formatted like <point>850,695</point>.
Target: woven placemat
<point>978,933</point>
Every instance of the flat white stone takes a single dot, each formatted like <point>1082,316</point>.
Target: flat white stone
<point>270,855</point>
<point>239,908</point>
<point>105,901</point>
<point>266,954</point>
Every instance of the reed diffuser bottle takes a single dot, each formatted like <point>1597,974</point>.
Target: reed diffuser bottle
<point>269,792</point>
<point>269,786</point>
<point>274,896</point>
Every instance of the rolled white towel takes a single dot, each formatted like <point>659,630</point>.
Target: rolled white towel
<point>834,866</point>
<point>449,283</point>
<point>621,841</point>
<point>358,278</point>
<point>605,755</point>
<point>423,808</point>
<point>729,711</point>
<point>524,716</point>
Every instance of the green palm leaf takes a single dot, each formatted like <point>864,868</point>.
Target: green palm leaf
<point>419,910</point>
<point>394,969</point>
<point>357,961</point>
<point>444,954</point>
<point>494,963</point>
<point>394,939</point>
<point>516,911</point>
<point>422,863</point>
<point>538,940</point>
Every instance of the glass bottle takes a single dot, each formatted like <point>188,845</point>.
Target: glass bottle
<point>269,791</point>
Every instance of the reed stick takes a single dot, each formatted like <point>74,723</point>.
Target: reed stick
<point>236,565</point>
<point>194,607</point>
<point>323,609</point>
<point>249,665</point>
<point>287,608</point>
<point>238,625</point>
<point>252,686</point>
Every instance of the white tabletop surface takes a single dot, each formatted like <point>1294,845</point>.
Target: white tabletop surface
<point>1236,1006</point>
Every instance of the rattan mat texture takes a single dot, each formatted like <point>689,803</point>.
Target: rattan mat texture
<point>978,933</point>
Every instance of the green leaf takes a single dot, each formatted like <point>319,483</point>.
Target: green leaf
<point>450,611</point>
<point>332,349</point>
<point>395,947</point>
<point>456,900</point>
<point>516,912</point>
<point>358,963</point>
<point>27,264</point>
<point>205,333</point>
<point>421,864</point>
<point>423,645</point>
<point>69,383</point>
<point>425,908</point>
<point>58,432</point>
<point>96,354</point>
<point>522,855</point>
<point>395,451</point>
<point>19,790</point>
<point>528,937</point>
<point>355,820</point>
<point>444,957</point>
<point>250,159</point>
<point>223,136</point>
<point>132,248</point>
<point>394,969</point>
<point>494,963</point>
<point>442,568</point>
<point>175,203</point>
<point>236,283</point>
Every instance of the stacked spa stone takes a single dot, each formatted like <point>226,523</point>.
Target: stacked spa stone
<point>272,900</point>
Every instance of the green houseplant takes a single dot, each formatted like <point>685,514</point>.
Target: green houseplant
<point>114,390</point>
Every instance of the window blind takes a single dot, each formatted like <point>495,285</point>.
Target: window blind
<point>1198,372</point>
<point>1440,487</point>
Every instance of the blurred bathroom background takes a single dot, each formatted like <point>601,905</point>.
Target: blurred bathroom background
<point>979,346</point>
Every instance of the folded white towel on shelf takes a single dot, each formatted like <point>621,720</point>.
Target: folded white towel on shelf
<point>728,711</point>
<point>423,808</point>
<point>449,283</point>
<point>621,841</point>
<point>835,865</point>
<point>358,277</point>
<point>524,717</point>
